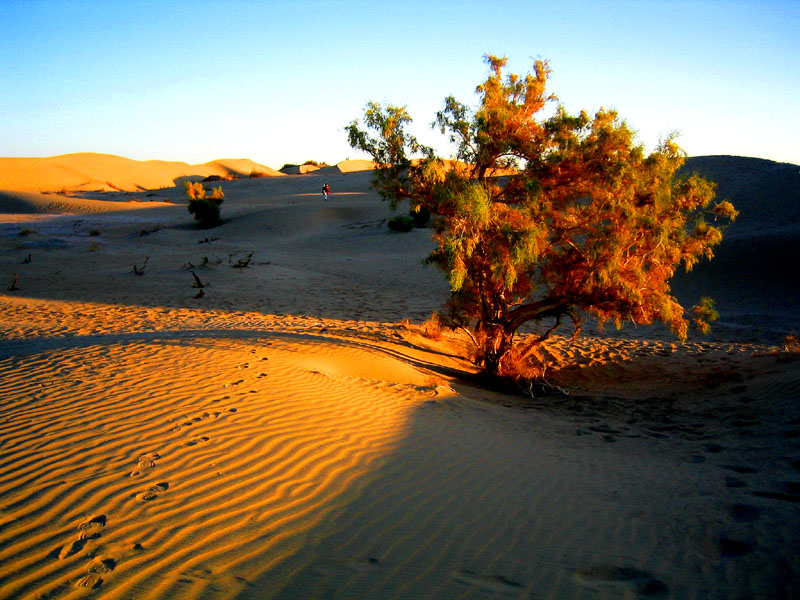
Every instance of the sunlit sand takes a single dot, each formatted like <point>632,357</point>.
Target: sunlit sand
<point>292,433</point>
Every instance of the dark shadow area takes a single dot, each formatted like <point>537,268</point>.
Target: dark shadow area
<point>479,501</point>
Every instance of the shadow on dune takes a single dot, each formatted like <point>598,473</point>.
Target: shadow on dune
<point>479,501</point>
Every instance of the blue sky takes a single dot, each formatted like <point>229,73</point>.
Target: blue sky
<point>278,81</point>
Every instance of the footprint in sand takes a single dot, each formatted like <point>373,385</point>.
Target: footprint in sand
<point>91,529</point>
<point>146,461</point>
<point>622,580</point>
<point>740,469</point>
<point>729,548</point>
<point>336,567</point>
<point>195,441</point>
<point>102,565</point>
<point>71,548</point>
<point>91,581</point>
<point>488,583</point>
<point>153,492</point>
<point>744,513</point>
<point>790,493</point>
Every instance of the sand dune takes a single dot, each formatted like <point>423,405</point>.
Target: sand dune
<point>285,434</point>
<point>89,171</point>
<point>24,203</point>
<point>346,166</point>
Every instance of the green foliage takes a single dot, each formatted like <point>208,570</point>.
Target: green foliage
<point>417,217</point>
<point>403,223</point>
<point>704,314</point>
<point>206,209</point>
<point>391,149</point>
<point>544,217</point>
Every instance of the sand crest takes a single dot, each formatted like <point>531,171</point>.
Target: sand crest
<point>87,171</point>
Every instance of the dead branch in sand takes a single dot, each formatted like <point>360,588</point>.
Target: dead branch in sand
<point>13,287</point>
<point>243,262</point>
<point>197,282</point>
<point>140,270</point>
<point>27,260</point>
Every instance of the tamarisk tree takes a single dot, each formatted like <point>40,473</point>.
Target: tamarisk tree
<point>544,215</point>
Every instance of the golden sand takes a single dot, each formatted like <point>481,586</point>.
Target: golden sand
<point>286,435</point>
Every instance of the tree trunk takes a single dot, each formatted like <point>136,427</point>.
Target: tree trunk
<point>496,338</point>
<point>495,341</point>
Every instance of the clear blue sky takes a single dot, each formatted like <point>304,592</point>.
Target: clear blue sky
<point>278,81</point>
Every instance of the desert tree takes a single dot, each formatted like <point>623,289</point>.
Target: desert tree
<point>205,208</point>
<point>546,215</point>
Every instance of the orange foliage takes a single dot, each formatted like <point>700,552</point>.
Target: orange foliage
<point>544,218</point>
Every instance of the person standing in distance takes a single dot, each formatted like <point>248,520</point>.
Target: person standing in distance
<point>326,189</point>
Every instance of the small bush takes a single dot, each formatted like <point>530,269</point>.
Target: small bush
<point>256,174</point>
<point>94,232</point>
<point>206,209</point>
<point>433,327</point>
<point>402,223</point>
<point>26,232</point>
<point>524,363</point>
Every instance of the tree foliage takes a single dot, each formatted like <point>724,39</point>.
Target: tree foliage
<point>544,214</point>
<point>205,208</point>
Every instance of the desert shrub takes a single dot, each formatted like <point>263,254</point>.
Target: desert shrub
<point>312,163</point>
<point>256,174</point>
<point>524,363</point>
<point>212,178</point>
<point>206,209</point>
<point>434,326</point>
<point>94,232</point>
<point>26,232</point>
<point>401,223</point>
<point>288,166</point>
<point>544,215</point>
<point>704,314</point>
<point>415,218</point>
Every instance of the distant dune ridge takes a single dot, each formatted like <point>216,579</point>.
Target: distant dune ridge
<point>766,193</point>
<point>346,166</point>
<point>755,270</point>
<point>89,172</point>
<point>176,425</point>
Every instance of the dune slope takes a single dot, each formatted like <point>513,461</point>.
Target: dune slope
<point>89,171</point>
